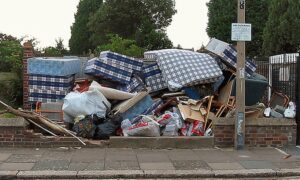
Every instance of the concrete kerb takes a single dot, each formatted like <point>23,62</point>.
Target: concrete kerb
<point>47,175</point>
<point>8,174</point>
<point>136,174</point>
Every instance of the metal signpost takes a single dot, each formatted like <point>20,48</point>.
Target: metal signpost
<point>240,32</point>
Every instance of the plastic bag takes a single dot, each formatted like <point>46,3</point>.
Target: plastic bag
<point>184,129</point>
<point>105,130</point>
<point>170,130</point>
<point>196,129</point>
<point>144,129</point>
<point>85,103</point>
<point>84,127</point>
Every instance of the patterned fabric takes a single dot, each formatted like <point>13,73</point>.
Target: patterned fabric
<point>46,88</point>
<point>186,68</point>
<point>35,99</point>
<point>122,60</point>
<point>135,85</point>
<point>228,54</point>
<point>153,78</point>
<point>103,67</point>
<point>58,79</point>
<point>53,66</point>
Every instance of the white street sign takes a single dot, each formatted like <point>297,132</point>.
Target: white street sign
<point>240,32</point>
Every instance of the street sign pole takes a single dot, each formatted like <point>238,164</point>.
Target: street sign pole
<point>239,140</point>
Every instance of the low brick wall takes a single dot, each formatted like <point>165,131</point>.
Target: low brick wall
<point>261,132</point>
<point>16,133</point>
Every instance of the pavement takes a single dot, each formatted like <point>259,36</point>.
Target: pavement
<point>109,163</point>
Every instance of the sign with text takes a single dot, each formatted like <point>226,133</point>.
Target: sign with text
<point>240,32</point>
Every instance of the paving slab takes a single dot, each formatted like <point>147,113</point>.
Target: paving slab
<point>111,174</point>
<point>213,156</point>
<point>157,166</point>
<point>16,166</point>
<point>47,175</point>
<point>8,175</point>
<point>122,165</point>
<point>182,154</point>
<point>153,157</point>
<point>4,156</point>
<point>225,166</point>
<point>54,155</point>
<point>190,165</point>
<point>95,166</point>
<point>286,165</point>
<point>257,165</point>
<point>49,165</point>
<point>24,158</point>
<point>77,166</point>
<point>120,155</point>
<point>88,155</point>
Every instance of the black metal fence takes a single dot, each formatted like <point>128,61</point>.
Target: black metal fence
<point>281,71</point>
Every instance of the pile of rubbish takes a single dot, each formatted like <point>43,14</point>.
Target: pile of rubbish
<point>171,92</point>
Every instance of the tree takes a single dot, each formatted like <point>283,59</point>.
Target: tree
<point>60,46</point>
<point>221,13</point>
<point>80,34</point>
<point>10,54</point>
<point>281,34</point>
<point>141,20</point>
<point>123,46</point>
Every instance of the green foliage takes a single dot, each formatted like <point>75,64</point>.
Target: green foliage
<point>80,34</point>
<point>58,50</point>
<point>10,54</point>
<point>123,46</point>
<point>141,20</point>
<point>281,34</point>
<point>221,13</point>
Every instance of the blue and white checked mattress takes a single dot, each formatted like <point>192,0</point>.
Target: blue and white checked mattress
<point>44,82</point>
<point>135,85</point>
<point>153,78</point>
<point>53,66</point>
<point>228,54</point>
<point>37,99</point>
<point>122,60</point>
<point>185,68</point>
<point>106,69</point>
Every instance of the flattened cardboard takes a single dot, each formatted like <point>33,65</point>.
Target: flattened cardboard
<point>189,114</point>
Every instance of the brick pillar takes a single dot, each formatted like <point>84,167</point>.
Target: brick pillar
<point>28,52</point>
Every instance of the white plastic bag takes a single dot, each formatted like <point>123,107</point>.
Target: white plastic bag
<point>144,129</point>
<point>86,103</point>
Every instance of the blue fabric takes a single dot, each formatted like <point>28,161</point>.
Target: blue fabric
<point>153,78</point>
<point>138,108</point>
<point>53,66</point>
<point>185,68</point>
<point>122,60</point>
<point>99,67</point>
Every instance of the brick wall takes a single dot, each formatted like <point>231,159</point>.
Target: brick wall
<point>262,132</point>
<point>28,52</point>
<point>16,133</point>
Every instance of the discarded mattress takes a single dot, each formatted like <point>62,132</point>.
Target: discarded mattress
<point>45,82</point>
<point>185,68</point>
<point>153,78</point>
<point>45,88</point>
<point>109,70</point>
<point>228,54</point>
<point>135,85</point>
<point>53,66</point>
<point>122,60</point>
